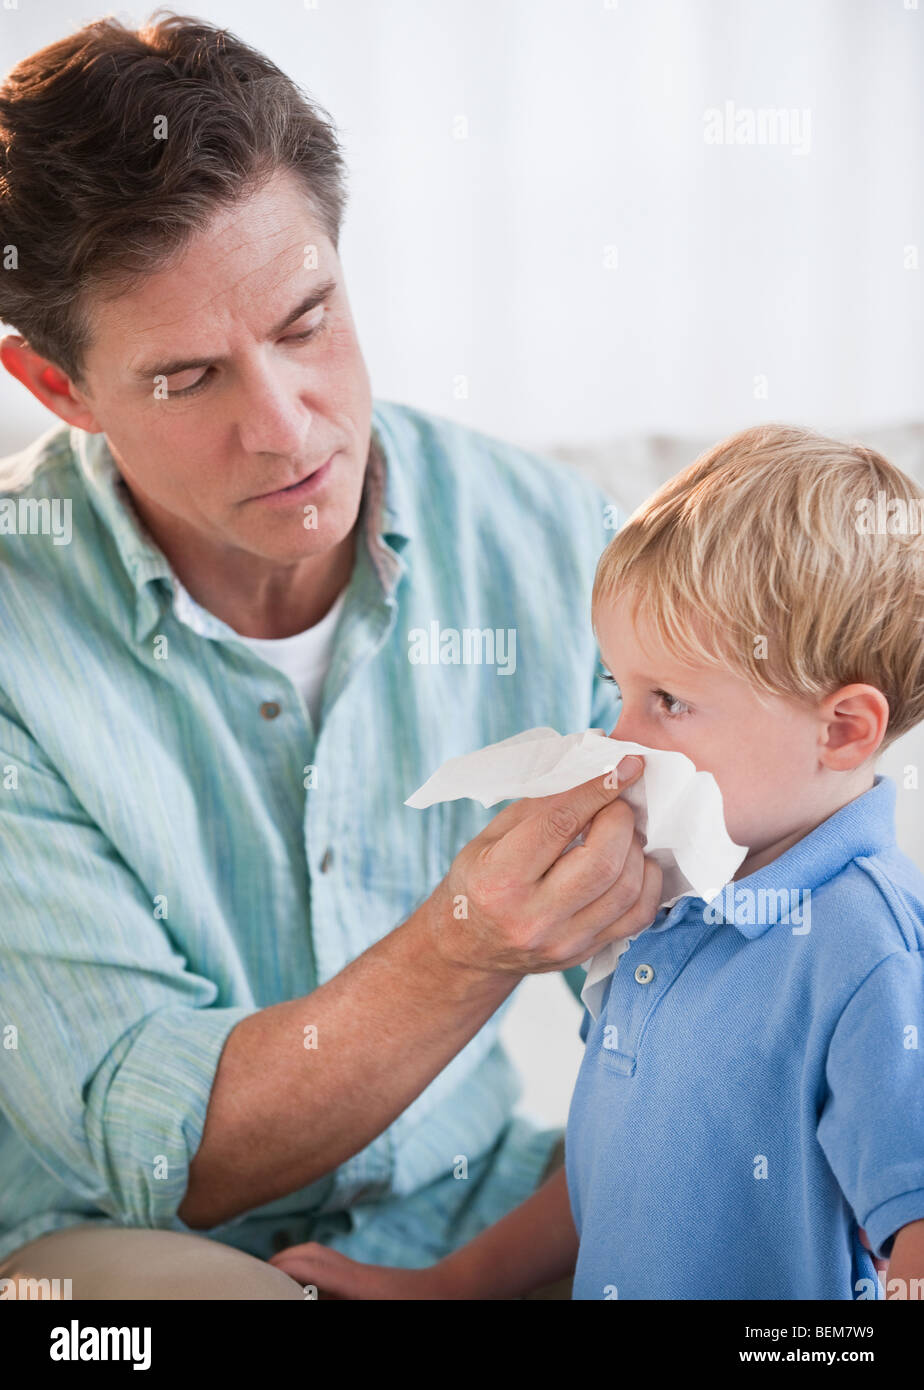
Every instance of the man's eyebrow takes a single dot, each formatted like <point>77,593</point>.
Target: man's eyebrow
<point>318,295</point>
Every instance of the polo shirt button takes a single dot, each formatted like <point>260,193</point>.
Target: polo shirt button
<point>269,709</point>
<point>327,860</point>
<point>281,1241</point>
<point>644,974</point>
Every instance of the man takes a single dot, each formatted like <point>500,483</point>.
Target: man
<point>244,990</point>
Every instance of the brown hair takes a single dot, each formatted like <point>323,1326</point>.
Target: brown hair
<point>792,559</point>
<point>93,198</point>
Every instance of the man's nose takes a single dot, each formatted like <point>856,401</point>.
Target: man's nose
<point>273,418</point>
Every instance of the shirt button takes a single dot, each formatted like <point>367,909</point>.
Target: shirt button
<point>281,1241</point>
<point>269,709</point>
<point>327,860</point>
<point>644,974</point>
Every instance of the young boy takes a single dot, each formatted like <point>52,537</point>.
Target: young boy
<point>751,1098</point>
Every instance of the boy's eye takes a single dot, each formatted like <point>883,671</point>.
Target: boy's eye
<point>675,707</point>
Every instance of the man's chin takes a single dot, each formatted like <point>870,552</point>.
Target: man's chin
<point>289,543</point>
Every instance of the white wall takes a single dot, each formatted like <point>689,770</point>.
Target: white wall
<point>484,257</point>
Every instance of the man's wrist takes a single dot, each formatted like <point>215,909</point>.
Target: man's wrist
<point>460,979</point>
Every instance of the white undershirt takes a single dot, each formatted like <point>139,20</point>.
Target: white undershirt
<point>305,657</point>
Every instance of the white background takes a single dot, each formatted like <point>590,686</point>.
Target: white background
<point>484,257</point>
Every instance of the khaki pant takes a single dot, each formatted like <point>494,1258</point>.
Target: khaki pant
<point>112,1262</point>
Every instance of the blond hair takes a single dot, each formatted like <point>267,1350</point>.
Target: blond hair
<point>794,560</point>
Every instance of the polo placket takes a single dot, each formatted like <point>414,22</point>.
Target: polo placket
<point>643,976</point>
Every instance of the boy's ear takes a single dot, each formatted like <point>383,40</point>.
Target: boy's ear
<point>853,724</point>
<point>47,383</point>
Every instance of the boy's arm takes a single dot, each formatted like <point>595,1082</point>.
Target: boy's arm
<point>906,1263</point>
<point>533,1245</point>
<point>872,1133</point>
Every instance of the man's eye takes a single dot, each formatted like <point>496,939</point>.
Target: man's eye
<point>292,338</point>
<point>191,390</point>
<point>303,337</point>
<point>610,680</point>
<point>309,332</point>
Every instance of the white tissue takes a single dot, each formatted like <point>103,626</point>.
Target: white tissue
<point>678,811</point>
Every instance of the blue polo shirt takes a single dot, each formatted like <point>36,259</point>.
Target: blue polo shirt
<point>752,1092</point>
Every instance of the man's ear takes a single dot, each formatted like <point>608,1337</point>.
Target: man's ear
<point>853,723</point>
<point>47,383</point>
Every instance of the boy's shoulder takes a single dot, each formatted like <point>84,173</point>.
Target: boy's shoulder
<point>873,908</point>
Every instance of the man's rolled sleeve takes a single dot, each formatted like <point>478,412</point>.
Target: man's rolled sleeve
<point>872,1121</point>
<point>110,1042</point>
<point>145,1110</point>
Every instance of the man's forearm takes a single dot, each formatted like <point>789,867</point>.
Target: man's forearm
<point>533,1245</point>
<point>281,1115</point>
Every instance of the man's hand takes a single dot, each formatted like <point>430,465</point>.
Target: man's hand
<point>280,1115</point>
<point>511,903</point>
<point>335,1276</point>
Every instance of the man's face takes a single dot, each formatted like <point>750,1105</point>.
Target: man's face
<point>764,757</point>
<point>207,450</point>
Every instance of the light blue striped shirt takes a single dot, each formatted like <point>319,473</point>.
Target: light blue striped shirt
<point>174,857</point>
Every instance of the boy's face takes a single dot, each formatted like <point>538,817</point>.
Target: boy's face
<point>764,757</point>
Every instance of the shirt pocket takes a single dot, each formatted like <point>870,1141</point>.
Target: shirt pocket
<point>400,862</point>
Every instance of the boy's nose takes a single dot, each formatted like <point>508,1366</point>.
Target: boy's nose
<point>629,730</point>
<point>623,729</point>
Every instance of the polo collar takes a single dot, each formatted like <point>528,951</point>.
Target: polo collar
<point>385,516</point>
<point>863,827</point>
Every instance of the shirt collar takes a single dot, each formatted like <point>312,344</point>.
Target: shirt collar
<point>385,517</point>
<point>863,827</point>
<point>397,519</point>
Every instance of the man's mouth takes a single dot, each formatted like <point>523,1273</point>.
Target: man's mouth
<point>303,487</point>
